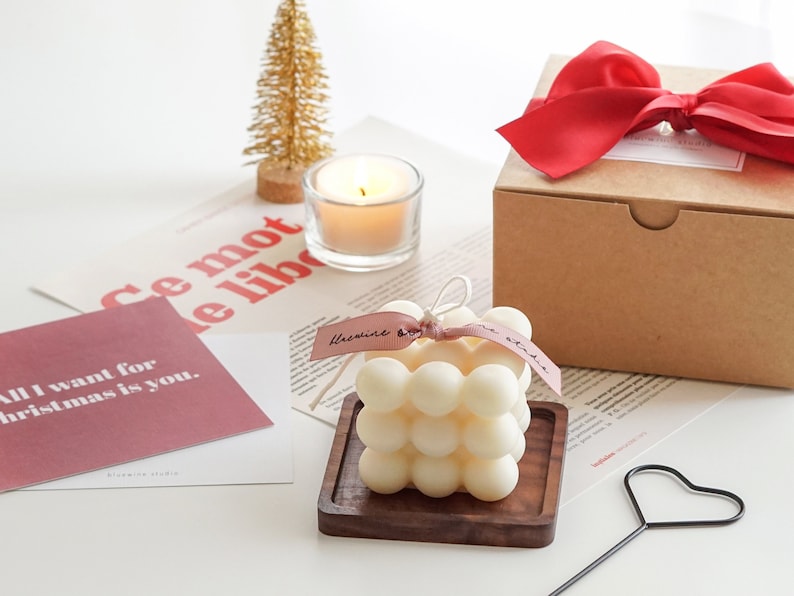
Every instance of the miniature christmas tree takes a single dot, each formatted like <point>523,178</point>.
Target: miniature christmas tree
<point>288,129</point>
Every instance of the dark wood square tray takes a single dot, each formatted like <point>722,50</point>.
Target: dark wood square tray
<point>526,518</point>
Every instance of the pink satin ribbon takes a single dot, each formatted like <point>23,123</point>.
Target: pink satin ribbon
<point>607,92</point>
<point>396,331</point>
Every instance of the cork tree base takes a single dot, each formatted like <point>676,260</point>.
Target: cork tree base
<point>279,184</point>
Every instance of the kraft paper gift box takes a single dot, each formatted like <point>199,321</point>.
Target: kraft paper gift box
<point>652,268</point>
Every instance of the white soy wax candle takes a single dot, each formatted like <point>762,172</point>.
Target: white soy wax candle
<point>445,416</point>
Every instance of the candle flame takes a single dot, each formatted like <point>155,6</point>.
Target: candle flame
<point>361,176</point>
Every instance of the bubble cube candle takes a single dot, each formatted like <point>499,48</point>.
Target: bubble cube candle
<point>445,416</point>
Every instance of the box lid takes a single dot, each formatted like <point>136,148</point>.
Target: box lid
<point>763,187</point>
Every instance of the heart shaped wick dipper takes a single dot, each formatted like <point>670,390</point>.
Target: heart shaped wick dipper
<point>692,487</point>
<point>646,525</point>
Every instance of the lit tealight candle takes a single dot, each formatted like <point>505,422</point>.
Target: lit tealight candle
<point>362,211</point>
<point>363,179</point>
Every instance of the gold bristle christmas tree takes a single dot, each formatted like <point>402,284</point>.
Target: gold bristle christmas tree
<point>288,131</point>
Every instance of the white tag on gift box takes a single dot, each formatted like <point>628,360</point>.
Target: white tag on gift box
<point>661,144</point>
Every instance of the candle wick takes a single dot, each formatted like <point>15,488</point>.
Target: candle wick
<point>362,191</point>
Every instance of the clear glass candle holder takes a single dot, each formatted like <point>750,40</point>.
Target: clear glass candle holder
<point>363,211</point>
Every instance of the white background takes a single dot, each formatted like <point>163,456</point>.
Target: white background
<point>115,115</point>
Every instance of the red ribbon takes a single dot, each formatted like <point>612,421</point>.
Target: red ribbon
<point>607,92</point>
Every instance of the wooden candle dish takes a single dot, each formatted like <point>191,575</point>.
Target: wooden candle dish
<point>525,518</point>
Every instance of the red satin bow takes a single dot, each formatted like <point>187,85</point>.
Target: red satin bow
<point>607,92</point>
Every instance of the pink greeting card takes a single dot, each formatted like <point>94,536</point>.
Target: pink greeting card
<point>109,387</point>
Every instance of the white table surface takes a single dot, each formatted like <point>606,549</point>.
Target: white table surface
<point>115,115</point>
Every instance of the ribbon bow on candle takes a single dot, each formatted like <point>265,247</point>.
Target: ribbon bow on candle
<point>395,331</point>
<point>607,92</point>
